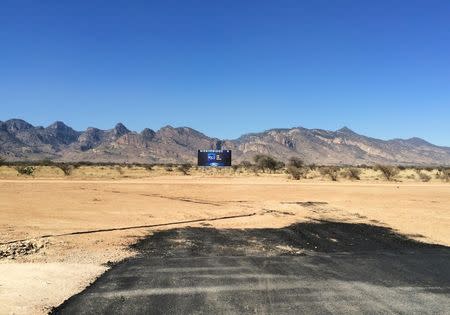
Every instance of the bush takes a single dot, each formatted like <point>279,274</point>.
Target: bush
<point>119,169</point>
<point>295,168</point>
<point>45,162</point>
<point>25,170</point>
<point>184,168</point>
<point>246,164</point>
<point>235,168</point>
<point>66,168</point>
<point>78,164</point>
<point>296,162</point>
<point>168,167</point>
<point>264,162</point>
<point>255,170</point>
<point>352,173</point>
<point>388,172</point>
<point>296,172</point>
<point>148,167</point>
<point>312,167</point>
<point>280,165</point>
<point>444,174</point>
<point>330,171</point>
<point>424,177</point>
<point>2,160</point>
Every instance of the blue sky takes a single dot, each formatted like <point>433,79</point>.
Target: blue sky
<point>225,68</point>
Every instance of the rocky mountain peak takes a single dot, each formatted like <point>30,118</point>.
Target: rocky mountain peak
<point>120,129</point>
<point>61,132</point>
<point>418,141</point>
<point>14,125</point>
<point>147,134</point>
<point>58,125</point>
<point>345,129</point>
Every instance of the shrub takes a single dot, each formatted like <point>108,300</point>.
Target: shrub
<point>184,168</point>
<point>388,172</point>
<point>296,162</point>
<point>66,168</point>
<point>78,164</point>
<point>280,165</point>
<point>296,172</point>
<point>25,170</point>
<point>295,168</point>
<point>246,164</point>
<point>352,173</point>
<point>444,174</point>
<point>119,169</point>
<point>312,167</point>
<point>330,171</point>
<point>424,177</point>
<point>148,167</point>
<point>235,168</point>
<point>2,160</point>
<point>264,162</point>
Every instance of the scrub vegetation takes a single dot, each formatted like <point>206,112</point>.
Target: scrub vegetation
<point>262,165</point>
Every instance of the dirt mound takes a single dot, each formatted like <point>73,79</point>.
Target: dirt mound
<point>21,248</point>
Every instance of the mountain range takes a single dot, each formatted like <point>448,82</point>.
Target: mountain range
<point>20,140</point>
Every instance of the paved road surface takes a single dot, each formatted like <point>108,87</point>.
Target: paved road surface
<point>322,268</point>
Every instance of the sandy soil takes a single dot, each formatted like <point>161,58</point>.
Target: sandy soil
<point>36,278</point>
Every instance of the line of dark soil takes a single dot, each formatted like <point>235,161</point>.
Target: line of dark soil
<point>135,227</point>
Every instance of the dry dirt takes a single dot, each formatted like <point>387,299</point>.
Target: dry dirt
<point>88,224</point>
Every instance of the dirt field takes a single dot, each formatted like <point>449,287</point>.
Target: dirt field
<point>88,224</point>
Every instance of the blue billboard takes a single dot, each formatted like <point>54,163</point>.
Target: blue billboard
<point>214,157</point>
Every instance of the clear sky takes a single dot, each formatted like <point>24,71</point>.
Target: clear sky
<point>229,67</point>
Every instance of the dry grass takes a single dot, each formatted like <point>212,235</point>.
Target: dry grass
<point>316,173</point>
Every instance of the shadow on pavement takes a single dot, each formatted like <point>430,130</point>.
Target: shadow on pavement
<point>314,267</point>
<point>316,236</point>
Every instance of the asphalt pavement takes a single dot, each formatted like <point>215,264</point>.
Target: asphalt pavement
<point>309,268</point>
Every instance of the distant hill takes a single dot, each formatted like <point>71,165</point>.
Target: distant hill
<point>20,140</point>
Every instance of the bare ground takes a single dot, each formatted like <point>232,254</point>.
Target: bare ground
<point>48,227</point>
